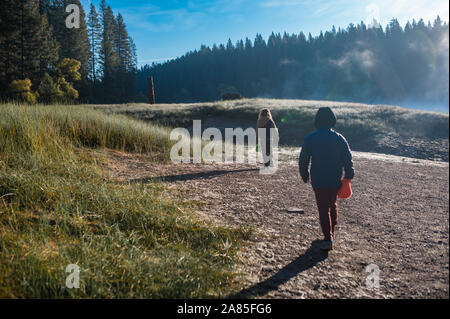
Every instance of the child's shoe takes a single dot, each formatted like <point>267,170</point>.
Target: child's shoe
<point>327,245</point>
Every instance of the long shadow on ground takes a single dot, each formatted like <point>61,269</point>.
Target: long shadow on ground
<point>312,256</point>
<point>190,176</point>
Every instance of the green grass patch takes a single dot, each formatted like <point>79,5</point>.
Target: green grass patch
<point>57,207</point>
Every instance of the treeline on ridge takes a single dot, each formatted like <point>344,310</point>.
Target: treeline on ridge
<point>360,63</point>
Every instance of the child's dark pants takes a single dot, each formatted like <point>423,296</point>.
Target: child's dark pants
<point>327,204</point>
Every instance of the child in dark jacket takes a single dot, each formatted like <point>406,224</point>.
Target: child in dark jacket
<point>329,154</point>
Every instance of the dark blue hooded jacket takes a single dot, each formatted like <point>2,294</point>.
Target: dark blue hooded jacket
<point>328,152</point>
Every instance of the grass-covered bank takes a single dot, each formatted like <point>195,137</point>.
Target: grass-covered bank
<point>57,207</point>
<point>368,128</point>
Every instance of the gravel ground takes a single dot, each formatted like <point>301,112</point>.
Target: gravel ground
<point>397,222</point>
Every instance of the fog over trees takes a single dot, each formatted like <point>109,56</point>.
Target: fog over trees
<point>394,64</point>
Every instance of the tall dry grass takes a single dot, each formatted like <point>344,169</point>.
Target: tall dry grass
<point>57,207</point>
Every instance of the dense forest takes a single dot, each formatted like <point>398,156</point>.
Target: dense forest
<point>361,63</point>
<point>51,51</point>
<point>44,59</point>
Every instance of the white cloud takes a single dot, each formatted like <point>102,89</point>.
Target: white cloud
<point>406,10</point>
<point>381,10</point>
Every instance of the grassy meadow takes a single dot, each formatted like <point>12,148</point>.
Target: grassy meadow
<point>58,207</point>
<point>370,128</point>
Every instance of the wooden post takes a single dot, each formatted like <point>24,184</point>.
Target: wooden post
<point>151,91</point>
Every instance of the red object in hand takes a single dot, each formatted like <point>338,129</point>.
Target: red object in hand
<point>346,189</point>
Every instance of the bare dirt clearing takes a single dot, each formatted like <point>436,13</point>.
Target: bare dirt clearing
<point>397,219</point>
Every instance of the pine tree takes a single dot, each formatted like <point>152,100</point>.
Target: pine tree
<point>48,91</point>
<point>94,32</point>
<point>76,46</point>
<point>27,43</point>
<point>122,44</point>
<point>132,66</point>
<point>34,40</point>
<point>9,50</point>
<point>44,6</point>
<point>109,58</point>
<point>126,70</point>
<point>132,71</point>
<point>74,42</point>
<point>49,48</point>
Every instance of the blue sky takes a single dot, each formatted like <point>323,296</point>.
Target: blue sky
<point>165,29</point>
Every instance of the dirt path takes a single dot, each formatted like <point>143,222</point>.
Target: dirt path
<point>397,219</point>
